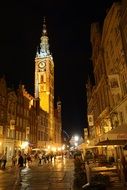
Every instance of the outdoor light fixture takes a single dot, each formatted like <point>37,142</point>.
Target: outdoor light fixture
<point>76,138</point>
<point>24,145</point>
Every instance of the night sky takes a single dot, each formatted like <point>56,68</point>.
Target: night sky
<point>68,25</point>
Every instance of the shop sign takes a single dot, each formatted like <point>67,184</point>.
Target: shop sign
<point>90,120</point>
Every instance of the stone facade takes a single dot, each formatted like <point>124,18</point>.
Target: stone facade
<point>107,97</point>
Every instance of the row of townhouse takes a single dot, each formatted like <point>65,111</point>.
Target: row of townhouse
<point>23,124</point>
<point>107,95</point>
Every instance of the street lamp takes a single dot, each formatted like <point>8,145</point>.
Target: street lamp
<point>76,138</point>
<point>24,145</point>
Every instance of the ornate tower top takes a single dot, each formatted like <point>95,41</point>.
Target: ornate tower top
<point>44,31</point>
<point>44,45</point>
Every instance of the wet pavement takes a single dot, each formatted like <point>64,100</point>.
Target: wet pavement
<point>57,175</point>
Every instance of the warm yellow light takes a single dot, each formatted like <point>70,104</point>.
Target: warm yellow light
<point>44,101</point>
<point>63,147</point>
<point>76,138</point>
<point>76,144</point>
<point>49,147</point>
<point>24,145</point>
<point>59,148</point>
<point>53,149</point>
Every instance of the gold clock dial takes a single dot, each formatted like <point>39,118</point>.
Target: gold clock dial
<point>41,65</point>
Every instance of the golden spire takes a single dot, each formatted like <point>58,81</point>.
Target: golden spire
<point>44,31</point>
<point>44,45</point>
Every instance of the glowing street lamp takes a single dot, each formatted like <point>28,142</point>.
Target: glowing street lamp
<point>76,138</point>
<point>24,145</point>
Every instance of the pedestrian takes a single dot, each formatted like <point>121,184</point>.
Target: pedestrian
<point>47,157</point>
<point>88,174</point>
<point>4,160</point>
<point>29,159</point>
<point>20,166</point>
<point>20,160</point>
<point>14,160</point>
<point>24,159</point>
<point>51,156</point>
<point>40,158</point>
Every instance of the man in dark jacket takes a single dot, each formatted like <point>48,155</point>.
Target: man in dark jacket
<point>20,160</point>
<point>20,165</point>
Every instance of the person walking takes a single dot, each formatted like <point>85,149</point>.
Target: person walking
<point>39,158</point>
<point>4,160</point>
<point>88,174</point>
<point>20,166</point>
<point>24,159</point>
<point>14,160</point>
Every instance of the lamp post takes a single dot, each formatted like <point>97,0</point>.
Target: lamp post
<point>76,139</point>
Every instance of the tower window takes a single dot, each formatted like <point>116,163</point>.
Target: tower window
<point>42,79</point>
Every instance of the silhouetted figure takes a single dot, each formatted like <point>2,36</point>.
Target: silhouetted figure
<point>20,165</point>
<point>4,161</point>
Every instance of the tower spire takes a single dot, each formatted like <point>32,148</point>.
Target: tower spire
<point>44,45</point>
<point>37,52</point>
<point>44,31</point>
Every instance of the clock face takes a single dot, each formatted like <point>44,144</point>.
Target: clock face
<point>41,65</point>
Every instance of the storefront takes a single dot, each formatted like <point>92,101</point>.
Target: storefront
<point>115,141</point>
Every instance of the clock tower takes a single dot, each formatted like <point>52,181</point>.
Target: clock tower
<point>44,79</point>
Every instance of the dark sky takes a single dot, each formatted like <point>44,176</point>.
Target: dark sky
<point>68,25</point>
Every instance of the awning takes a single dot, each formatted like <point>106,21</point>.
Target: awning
<point>117,136</point>
<point>112,142</point>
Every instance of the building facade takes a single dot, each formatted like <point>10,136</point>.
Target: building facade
<point>107,97</point>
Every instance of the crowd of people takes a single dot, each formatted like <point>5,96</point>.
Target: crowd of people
<point>22,159</point>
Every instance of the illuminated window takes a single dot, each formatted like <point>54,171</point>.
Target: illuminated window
<point>42,79</point>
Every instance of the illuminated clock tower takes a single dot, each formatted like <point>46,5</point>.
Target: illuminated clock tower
<point>44,80</point>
